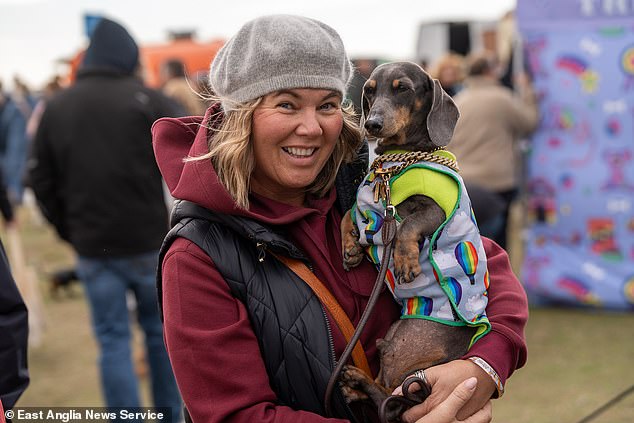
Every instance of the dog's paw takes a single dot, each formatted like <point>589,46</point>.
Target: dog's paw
<point>353,377</point>
<point>406,264</point>
<point>351,249</point>
<point>351,394</point>
<point>352,252</point>
<point>352,258</point>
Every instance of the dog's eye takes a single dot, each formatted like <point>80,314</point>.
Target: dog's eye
<point>402,87</point>
<point>368,90</point>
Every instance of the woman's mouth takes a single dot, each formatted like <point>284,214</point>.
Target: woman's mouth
<point>299,152</point>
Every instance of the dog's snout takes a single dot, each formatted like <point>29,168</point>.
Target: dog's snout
<point>374,125</point>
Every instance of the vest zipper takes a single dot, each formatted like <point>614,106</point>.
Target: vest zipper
<point>333,356</point>
<point>331,341</point>
<point>261,251</point>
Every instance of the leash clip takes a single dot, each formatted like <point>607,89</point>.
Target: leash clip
<point>390,211</point>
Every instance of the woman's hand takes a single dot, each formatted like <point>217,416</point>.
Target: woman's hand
<point>447,410</point>
<point>444,380</point>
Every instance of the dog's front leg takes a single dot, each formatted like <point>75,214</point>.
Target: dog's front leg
<point>357,386</point>
<point>421,216</point>
<point>351,249</point>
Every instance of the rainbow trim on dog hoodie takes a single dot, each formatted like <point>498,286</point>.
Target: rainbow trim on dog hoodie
<point>452,287</point>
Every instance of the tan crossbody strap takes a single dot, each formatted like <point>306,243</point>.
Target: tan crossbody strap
<point>341,319</point>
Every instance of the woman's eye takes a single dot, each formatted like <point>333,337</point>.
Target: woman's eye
<point>285,105</point>
<point>329,106</point>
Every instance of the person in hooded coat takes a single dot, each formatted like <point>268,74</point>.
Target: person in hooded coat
<point>259,178</point>
<point>93,172</point>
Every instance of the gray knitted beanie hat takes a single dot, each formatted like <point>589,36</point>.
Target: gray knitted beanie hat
<point>279,52</point>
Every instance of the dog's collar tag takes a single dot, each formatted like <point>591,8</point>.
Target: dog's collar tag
<point>382,187</point>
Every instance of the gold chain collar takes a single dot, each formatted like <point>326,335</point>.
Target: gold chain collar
<point>382,187</point>
<point>410,158</point>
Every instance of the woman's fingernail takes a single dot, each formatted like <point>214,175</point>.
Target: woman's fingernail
<point>471,383</point>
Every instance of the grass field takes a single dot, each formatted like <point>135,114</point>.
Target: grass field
<point>578,360</point>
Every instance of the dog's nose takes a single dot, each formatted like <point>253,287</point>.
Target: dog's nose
<point>374,125</point>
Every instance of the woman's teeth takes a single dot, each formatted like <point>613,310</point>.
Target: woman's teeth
<point>300,152</point>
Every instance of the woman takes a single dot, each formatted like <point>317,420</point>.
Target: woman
<point>450,71</point>
<point>247,339</point>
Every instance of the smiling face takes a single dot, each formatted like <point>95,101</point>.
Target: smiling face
<point>294,134</point>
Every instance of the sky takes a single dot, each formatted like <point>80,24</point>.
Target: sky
<point>36,34</point>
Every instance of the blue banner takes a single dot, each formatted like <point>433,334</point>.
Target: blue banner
<point>580,171</point>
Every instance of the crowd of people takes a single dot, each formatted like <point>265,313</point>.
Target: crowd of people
<point>267,170</point>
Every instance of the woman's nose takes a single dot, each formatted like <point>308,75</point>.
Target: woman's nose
<point>309,125</point>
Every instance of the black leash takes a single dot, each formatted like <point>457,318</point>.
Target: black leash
<point>393,403</point>
<point>388,236</point>
<point>389,232</point>
<point>393,406</point>
<point>607,405</point>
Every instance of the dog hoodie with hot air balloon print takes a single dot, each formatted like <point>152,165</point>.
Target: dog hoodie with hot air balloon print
<point>452,286</point>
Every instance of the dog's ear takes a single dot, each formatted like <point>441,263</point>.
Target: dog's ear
<point>442,117</point>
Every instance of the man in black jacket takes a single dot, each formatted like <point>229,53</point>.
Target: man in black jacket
<point>95,178</point>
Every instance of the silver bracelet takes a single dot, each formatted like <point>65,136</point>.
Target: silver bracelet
<point>491,372</point>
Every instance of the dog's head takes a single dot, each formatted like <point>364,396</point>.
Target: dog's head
<point>406,109</point>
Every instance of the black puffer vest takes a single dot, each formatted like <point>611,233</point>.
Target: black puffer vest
<point>282,308</point>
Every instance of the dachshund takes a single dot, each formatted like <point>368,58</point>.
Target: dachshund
<point>437,255</point>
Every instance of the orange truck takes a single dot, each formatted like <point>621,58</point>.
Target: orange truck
<point>196,56</point>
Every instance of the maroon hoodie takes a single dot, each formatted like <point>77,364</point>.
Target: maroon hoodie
<point>213,350</point>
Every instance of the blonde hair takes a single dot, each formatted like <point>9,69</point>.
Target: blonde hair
<point>231,151</point>
<point>450,60</point>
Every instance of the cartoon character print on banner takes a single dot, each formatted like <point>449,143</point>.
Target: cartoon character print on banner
<point>542,200</point>
<point>627,66</point>
<point>613,127</point>
<point>617,162</point>
<point>534,49</point>
<point>578,290</point>
<point>565,126</point>
<point>601,234</point>
<point>579,68</point>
